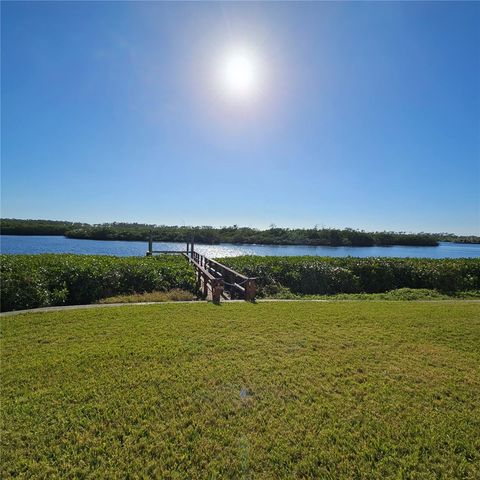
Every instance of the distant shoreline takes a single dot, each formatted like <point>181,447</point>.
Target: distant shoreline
<point>328,237</point>
<point>237,243</point>
<point>56,244</point>
<point>102,239</point>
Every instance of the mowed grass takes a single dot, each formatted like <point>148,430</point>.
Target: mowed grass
<point>273,390</point>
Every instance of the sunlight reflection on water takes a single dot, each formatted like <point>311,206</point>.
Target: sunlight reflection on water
<point>57,244</point>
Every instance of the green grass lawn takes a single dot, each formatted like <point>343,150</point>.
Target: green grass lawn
<point>273,390</point>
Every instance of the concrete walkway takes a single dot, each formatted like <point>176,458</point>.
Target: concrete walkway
<point>197,302</point>
<point>94,305</point>
<point>128,304</point>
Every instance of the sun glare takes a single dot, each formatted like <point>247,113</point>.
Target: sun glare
<point>239,74</point>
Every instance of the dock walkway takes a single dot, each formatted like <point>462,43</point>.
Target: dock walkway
<point>214,281</point>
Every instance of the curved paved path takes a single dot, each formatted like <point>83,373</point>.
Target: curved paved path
<point>127,304</point>
<point>196,302</point>
<point>95,305</point>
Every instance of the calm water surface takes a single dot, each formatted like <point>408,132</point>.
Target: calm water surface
<point>54,244</point>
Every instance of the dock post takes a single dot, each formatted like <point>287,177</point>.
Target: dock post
<point>217,290</point>
<point>205,286</point>
<point>250,289</point>
<point>198,283</point>
<point>150,246</point>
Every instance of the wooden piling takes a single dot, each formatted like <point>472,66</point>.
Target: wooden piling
<point>250,289</point>
<point>217,290</point>
<point>150,246</point>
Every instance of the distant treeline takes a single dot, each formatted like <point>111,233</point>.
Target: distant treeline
<point>13,226</point>
<point>234,234</point>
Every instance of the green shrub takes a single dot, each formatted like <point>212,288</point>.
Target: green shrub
<point>413,294</point>
<point>29,281</point>
<point>328,275</point>
<point>322,278</point>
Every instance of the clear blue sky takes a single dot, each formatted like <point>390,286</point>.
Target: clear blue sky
<point>366,115</point>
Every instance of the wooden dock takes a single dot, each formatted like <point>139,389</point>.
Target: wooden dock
<point>214,281</point>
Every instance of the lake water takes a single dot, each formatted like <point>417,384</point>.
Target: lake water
<point>58,244</point>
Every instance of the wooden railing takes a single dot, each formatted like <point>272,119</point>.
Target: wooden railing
<point>205,281</point>
<point>236,284</point>
<point>214,278</point>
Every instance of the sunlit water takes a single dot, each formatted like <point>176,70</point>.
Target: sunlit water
<point>58,244</point>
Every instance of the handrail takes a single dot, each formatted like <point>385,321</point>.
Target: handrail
<point>228,269</point>
<point>216,284</point>
<point>212,275</point>
<point>199,267</point>
<point>232,280</point>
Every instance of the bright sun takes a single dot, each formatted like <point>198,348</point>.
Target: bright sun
<point>239,74</point>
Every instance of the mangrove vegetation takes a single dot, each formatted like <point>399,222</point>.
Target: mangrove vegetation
<point>30,281</point>
<point>234,234</point>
